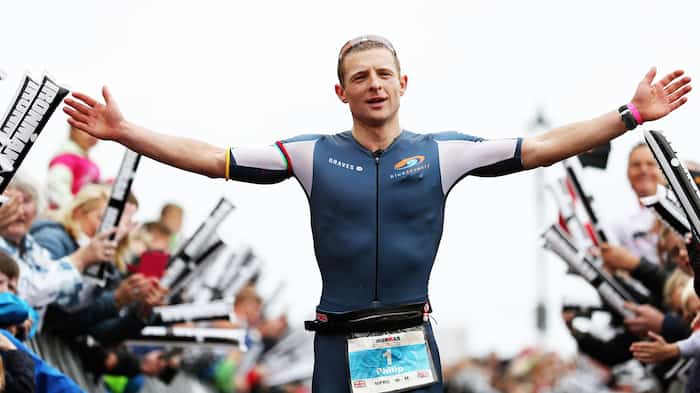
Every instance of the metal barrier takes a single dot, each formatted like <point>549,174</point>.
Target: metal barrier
<point>57,353</point>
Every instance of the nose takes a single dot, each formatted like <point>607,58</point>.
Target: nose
<point>374,82</point>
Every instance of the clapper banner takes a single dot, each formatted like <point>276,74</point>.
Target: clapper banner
<point>681,182</point>
<point>26,117</point>
<point>115,207</point>
<point>200,247</point>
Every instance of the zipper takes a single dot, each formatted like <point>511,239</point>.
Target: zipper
<point>376,154</point>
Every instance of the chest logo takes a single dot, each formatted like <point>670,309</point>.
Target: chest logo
<point>409,166</point>
<point>409,162</point>
<point>345,165</point>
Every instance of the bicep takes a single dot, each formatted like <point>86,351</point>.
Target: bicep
<point>459,158</point>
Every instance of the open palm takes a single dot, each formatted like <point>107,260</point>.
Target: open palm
<point>656,100</point>
<point>102,121</point>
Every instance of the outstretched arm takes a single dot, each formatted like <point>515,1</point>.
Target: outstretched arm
<point>653,101</point>
<point>105,121</point>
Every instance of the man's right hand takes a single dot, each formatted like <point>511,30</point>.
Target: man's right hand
<point>103,121</point>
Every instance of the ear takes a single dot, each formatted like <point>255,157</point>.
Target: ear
<point>76,214</point>
<point>340,92</point>
<point>403,81</point>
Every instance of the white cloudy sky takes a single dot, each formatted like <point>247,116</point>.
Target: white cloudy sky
<point>249,73</point>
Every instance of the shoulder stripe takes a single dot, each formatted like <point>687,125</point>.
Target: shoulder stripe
<point>287,159</point>
<point>228,163</point>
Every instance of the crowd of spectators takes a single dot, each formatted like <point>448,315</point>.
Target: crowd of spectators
<point>49,238</point>
<point>654,349</point>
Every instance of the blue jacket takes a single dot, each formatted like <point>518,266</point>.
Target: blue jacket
<point>47,378</point>
<point>53,237</point>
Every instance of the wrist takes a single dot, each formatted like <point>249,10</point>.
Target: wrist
<point>629,119</point>
<point>124,131</point>
<point>635,112</point>
<point>672,351</point>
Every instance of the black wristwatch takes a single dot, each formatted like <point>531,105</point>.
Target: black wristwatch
<point>627,117</point>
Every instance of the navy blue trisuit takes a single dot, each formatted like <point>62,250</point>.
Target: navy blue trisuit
<point>376,217</point>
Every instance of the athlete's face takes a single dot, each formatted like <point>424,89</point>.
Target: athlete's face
<point>372,86</point>
<point>642,172</point>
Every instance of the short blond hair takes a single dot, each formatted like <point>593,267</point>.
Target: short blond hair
<point>88,198</point>
<point>677,279</point>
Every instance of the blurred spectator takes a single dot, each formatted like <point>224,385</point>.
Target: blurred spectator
<point>151,236</point>
<point>17,369</point>
<point>639,232</point>
<point>24,371</point>
<point>71,168</point>
<point>171,216</point>
<point>42,279</point>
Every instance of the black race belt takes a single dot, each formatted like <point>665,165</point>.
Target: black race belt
<point>370,320</point>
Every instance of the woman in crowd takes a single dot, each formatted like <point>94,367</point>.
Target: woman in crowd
<point>43,279</point>
<point>77,224</point>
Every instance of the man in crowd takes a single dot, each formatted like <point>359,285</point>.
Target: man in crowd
<point>639,233</point>
<point>376,192</point>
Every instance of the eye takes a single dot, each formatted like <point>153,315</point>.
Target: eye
<point>358,78</point>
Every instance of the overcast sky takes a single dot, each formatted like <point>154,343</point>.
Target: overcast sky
<point>250,73</point>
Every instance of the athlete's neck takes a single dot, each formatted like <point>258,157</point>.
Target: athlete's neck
<point>375,138</point>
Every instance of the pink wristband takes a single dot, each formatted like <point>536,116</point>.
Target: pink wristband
<point>635,113</point>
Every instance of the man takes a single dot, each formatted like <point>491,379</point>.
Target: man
<point>639,233</point>
<point>376,195</point>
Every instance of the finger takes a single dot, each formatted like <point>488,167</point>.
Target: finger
<point>676,84</point>
<point>107,95</point>
<point>82,108</point>
<point>85,98</point>
<point>649,77</point>
<point>630,306</point>
<point>670,77</point>
<point>656,337</point>
<point>75,115</point>
<point>78,124</point>
<point>675,105</point>
<point>679,93</point>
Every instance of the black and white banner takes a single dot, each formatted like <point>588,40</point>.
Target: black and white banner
<point>203,246</point>
<point>181,274</point>
<point>610,292</point>
<point>196,244</point>
<point>678,177</point>
<point>25,119</point>
<point>181,337</point>
<point>115,206</point>
<point>668,209</point>
<point>574,175</point>
<point>194,312</point>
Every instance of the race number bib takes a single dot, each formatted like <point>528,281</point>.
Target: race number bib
<point>390,362</point>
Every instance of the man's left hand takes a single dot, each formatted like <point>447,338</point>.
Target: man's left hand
<point>656,100</point>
